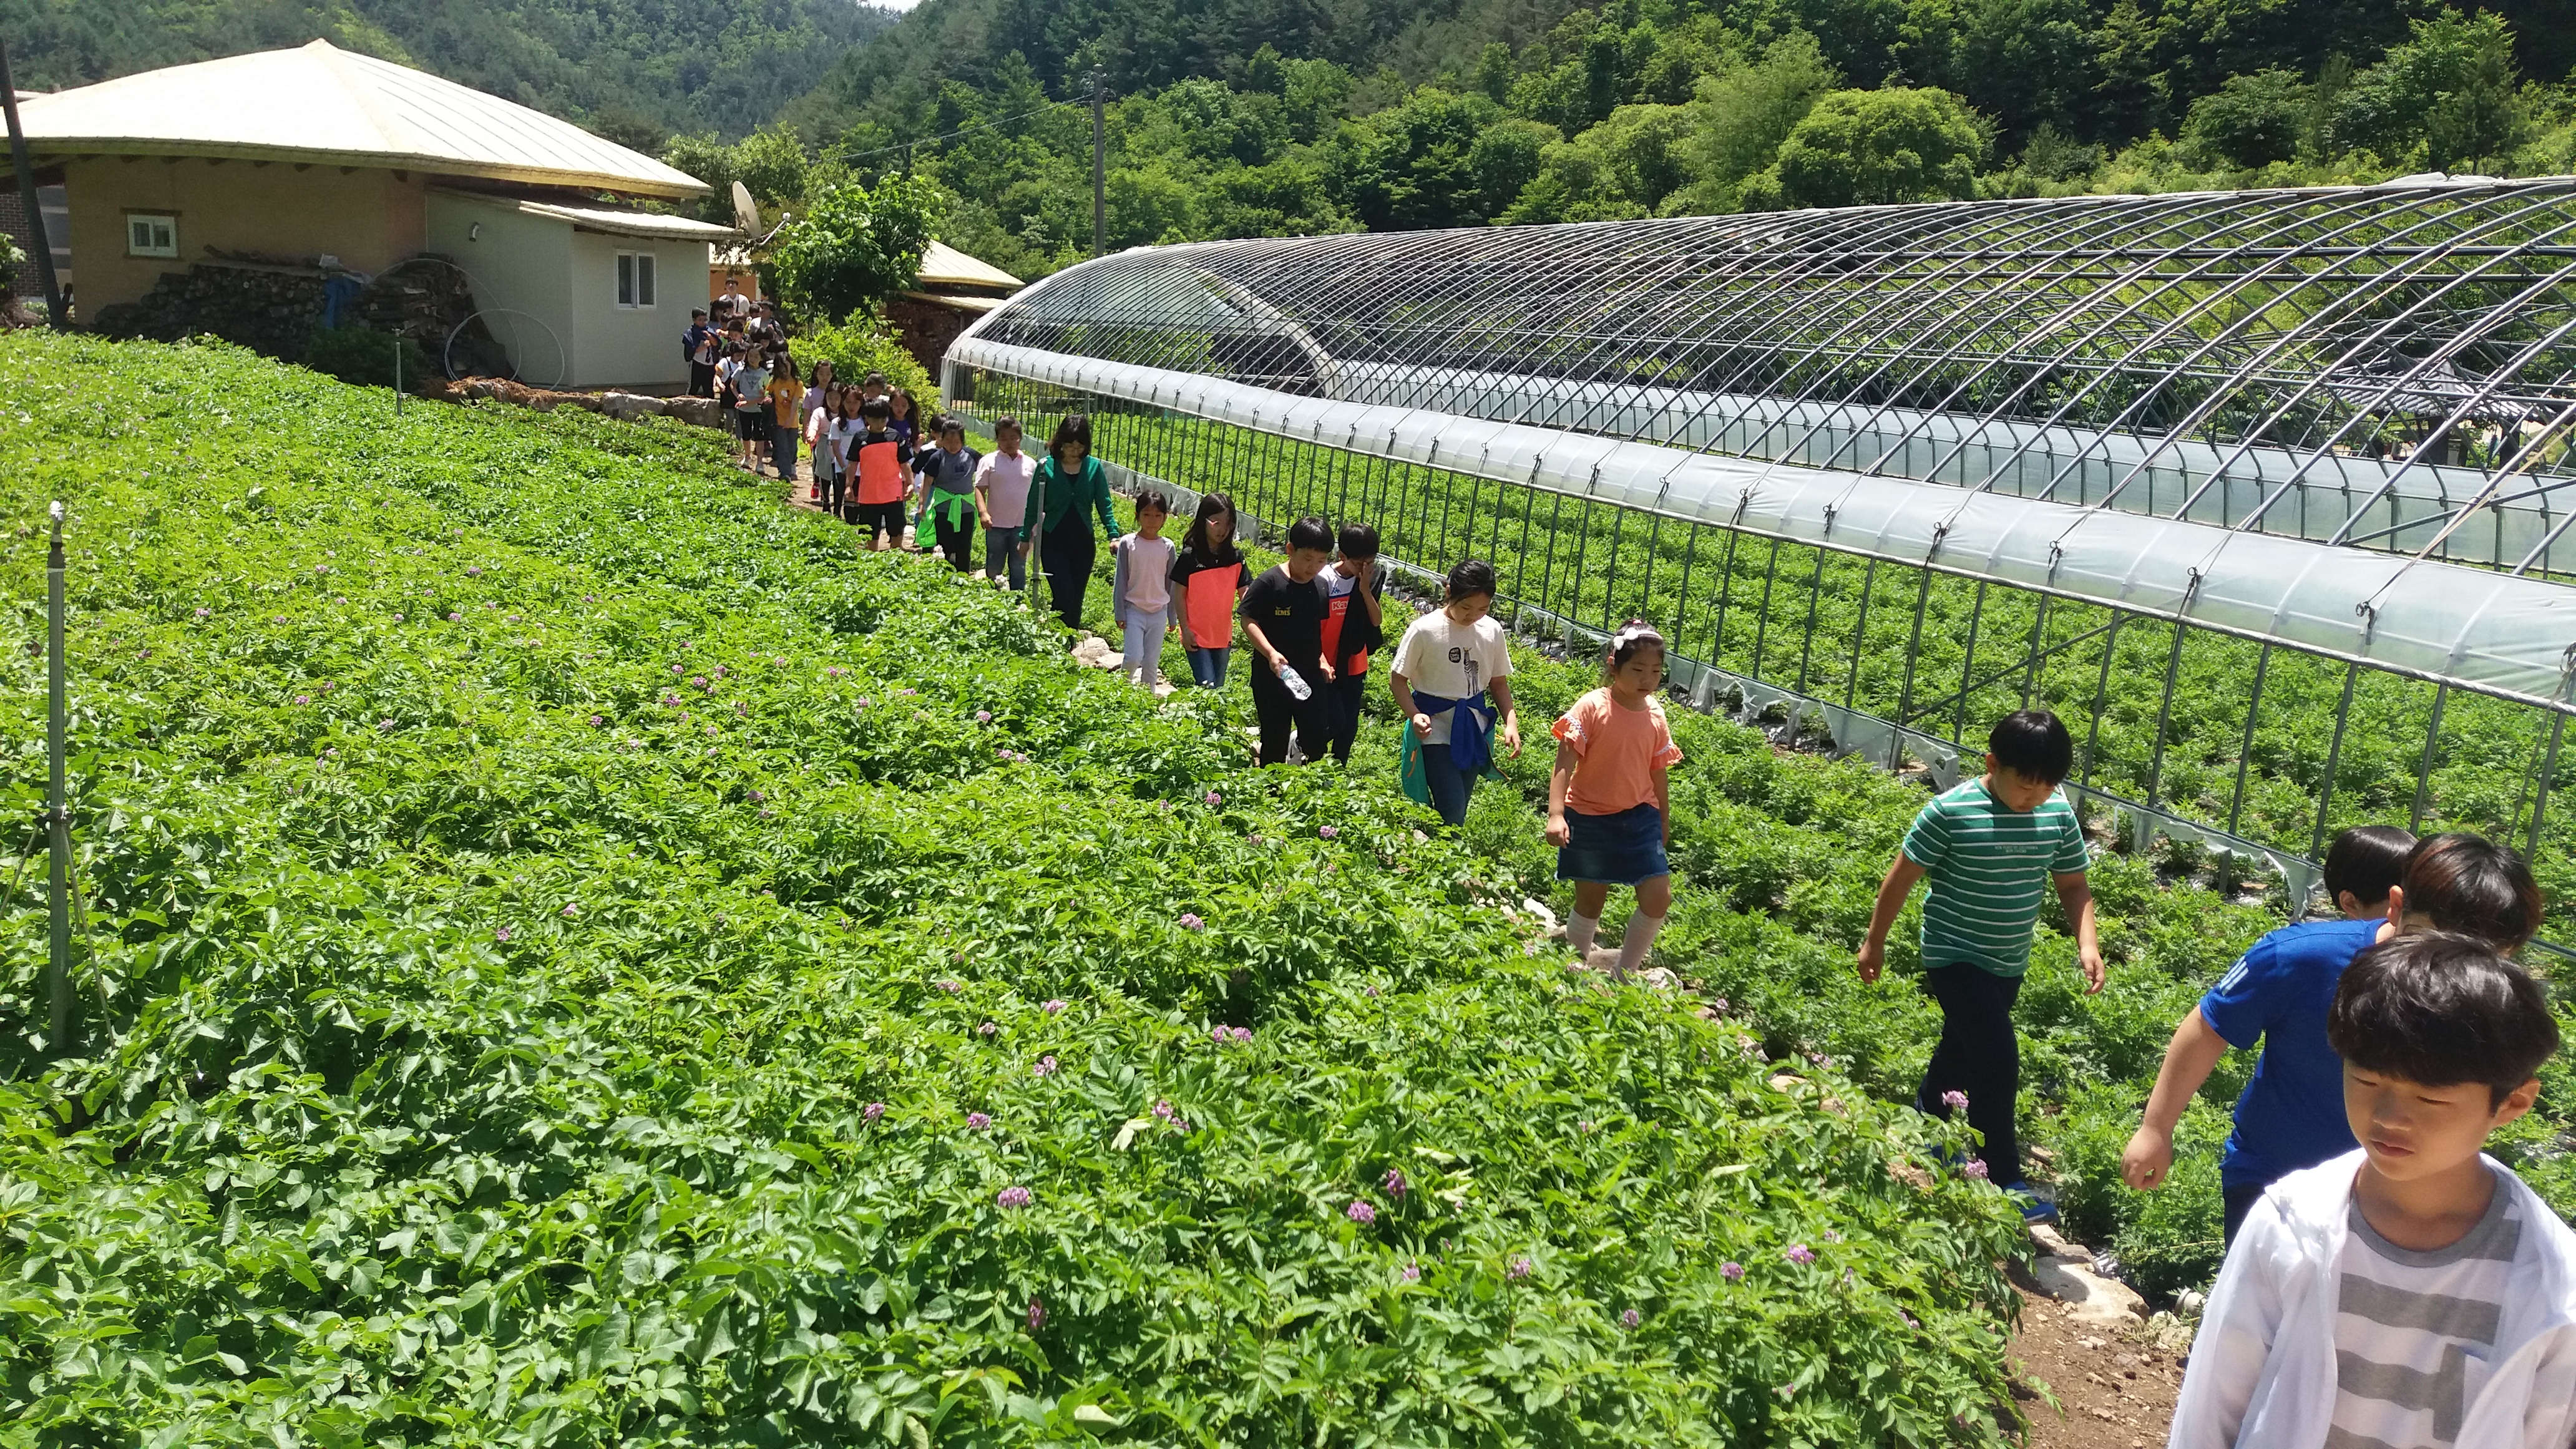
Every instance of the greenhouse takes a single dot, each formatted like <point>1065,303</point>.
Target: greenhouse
<point>2262,490</point>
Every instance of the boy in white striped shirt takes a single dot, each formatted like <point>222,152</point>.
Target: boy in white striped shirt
<point>2413,1294</point>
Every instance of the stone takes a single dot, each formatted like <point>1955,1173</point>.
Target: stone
<point>2089,1297</point>
<point>2053,1244</point>
<point>700,412</point>
<point>628,406</point>
<point>1537,909</point>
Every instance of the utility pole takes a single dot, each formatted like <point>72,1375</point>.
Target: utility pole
<point>41,244</point>
<point>1099,172</point>
<point>58,814</point>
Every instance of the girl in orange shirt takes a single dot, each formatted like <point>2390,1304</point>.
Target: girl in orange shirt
<point>1609,804</point>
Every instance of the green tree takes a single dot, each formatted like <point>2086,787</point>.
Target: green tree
<point>852,245</point>
<point>1507,157</point>
<point>1411,166</point>
<point>1741,115</point>
<point>2026,63</point>
<point>2446,97</point>
<point>1871,148</point>
<point>2252,120</point>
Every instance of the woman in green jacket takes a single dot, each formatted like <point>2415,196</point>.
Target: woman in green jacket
<point>1069,487</point>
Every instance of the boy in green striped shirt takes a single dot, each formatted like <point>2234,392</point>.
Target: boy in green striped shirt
<point>1989,846</point>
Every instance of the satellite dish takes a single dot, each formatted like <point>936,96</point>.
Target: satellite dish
<point>746,212</point>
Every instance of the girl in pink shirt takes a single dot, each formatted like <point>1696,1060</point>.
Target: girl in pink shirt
<point>1609,804</point>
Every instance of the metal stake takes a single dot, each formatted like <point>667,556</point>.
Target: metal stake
<point>58,810</point>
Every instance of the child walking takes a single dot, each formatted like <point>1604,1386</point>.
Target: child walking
<point>1140,588</point>
<point>1449,660</point>
<point>1283,617</point>
<point>1609,803</point>
<point>787,416</point>
<point>1211,577</point>
<point>2413,1291</point>
<point>948,491</point>
<point>1001,501</point>
<point>1354,624</point>
<point>2291,1116</point>
<point>881,461</point>
<point>1989,846</point>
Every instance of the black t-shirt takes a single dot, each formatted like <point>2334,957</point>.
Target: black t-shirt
<point>1292,614</point>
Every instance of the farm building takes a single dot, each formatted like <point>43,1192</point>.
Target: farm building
<point>245,195</point>
<point>953,292</point>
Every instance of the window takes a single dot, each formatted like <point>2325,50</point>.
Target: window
<point>634,279</point>
<point>151,236</point>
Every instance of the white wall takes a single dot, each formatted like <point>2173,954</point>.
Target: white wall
<point>521,268</point>
<point>633,346</point>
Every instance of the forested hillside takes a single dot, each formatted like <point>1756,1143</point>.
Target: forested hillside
<point>632,69</point>
<point>1244,117</point>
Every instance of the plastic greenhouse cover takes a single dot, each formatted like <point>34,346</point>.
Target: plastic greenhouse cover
<point>2480,630</point>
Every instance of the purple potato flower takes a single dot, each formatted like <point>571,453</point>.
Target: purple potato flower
<point>1956,1101</point>
<point>1052,1007</point>
<point>987,1029</point>
<point>952,987</point>
<point>1732,1272</point>
<point>1163,1110</point>
<point>1799,1253</point>
<point>1213,798</point>
<point>1242,1035</point>
<point>299,699</point>
<point>502,934</point>
<point>1037,1315</point>
<point>983,716</point>
<point>1045,1067</point>
<point>1013,1197</point>
<point>1360,1212</point>
<point>568,909</point>
<point>1520,1268</point>
<point>1191,922</point>
<point>1413,1272</point>
<point>1393,1182</point>
<point>980,1121</point>
<point>872,1111</point>
<point>1328,832</point>
<point>1974,1169</point>
<point>1631,1319</point>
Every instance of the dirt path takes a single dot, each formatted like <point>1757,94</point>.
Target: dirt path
<point>2114,1390</point>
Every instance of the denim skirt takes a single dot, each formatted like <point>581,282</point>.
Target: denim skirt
<point>1620,849</point>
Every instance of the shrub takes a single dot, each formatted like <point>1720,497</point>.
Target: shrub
<point>864,344</point>
<point>364,356</point>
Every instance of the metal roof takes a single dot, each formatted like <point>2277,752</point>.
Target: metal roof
<point>628,223</point>
<point>944,266</point>
<point>321,104</point>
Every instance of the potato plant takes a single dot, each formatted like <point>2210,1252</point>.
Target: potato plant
<point>574,954</point>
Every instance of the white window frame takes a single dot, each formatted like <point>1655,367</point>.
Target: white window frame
<point>168,249</point>
<point>639,284</point>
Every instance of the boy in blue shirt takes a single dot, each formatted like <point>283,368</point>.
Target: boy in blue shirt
<point>2291,1115</point>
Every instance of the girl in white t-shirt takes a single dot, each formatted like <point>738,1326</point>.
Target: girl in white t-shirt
<point>1140,589</point>
<point>1450,660</point>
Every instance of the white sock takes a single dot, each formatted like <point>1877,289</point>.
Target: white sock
<point>1634,941</point>
<point>1578,932</point>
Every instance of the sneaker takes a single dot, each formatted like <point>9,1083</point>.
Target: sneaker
<point>2034,1208</point>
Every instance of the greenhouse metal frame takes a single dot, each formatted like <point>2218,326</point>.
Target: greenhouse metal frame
<point>2324,429</point>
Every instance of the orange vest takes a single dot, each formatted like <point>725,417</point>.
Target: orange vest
<point>880,473</point>
<point>1209,598</point>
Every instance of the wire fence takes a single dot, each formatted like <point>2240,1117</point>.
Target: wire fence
<point>2222,752</point>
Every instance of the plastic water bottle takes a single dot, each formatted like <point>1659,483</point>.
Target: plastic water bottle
<point>1298,688</point>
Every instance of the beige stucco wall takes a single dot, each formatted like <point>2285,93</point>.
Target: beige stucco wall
<point>366,217</point>
<point>633,346</point>
<point>521,268</point>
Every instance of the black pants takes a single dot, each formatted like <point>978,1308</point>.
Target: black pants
<point>956,540</point>
<point>1279,711</point>
<point>1067,553</point>
<point>1341,700</point>
<point>2240,1198</point>
<point>833,487</point>
<point>702,379</point>
<point>1978,1055</point>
